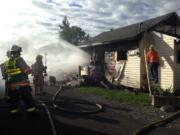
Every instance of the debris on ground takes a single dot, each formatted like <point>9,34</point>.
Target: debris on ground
<point>168,108</point>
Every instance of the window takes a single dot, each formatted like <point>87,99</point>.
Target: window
<point>177,48</point>
<point>121,55</point>
<point>178,56</point>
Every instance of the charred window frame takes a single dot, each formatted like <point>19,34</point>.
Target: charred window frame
<point>178,56</point>
<point>177,48</point>
<point>121,55</point>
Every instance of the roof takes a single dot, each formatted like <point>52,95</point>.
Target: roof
<point>131,31</point>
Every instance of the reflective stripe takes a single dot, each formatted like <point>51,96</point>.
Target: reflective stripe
<point>11,68</point>
<point>11,72</point>
<point>14,73</point>
<point>31,109</point>
<point>15,85</point>
<point>14,111</point>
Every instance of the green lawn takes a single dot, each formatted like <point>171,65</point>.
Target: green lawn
<point>118,95</point>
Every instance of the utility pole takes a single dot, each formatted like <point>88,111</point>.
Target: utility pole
<point>45,59</point>
<point>45,64</point>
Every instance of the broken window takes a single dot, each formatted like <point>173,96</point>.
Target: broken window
<point>178,56</point>
<point>177,48</point>
<point>121,55</point>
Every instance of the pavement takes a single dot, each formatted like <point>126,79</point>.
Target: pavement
<point>115,119</point>
<point>23,124</point>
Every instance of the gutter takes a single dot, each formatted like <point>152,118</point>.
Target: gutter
<point>90,45</point>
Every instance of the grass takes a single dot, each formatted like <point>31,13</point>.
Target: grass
<point>118,95</point>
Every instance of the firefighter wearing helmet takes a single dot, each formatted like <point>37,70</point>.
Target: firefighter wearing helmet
<point>4,75</point>
<point>38,73</point>
<point>18,84</point>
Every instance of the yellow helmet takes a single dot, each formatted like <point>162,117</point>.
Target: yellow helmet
<point>151,47</point>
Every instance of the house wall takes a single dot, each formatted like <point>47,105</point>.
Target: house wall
<point>134,73</point>
<point>130,69</point>
<point>131,73</point>
<point>165,47</point>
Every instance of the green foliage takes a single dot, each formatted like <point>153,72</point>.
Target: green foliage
<point>72,34</point>
<point>118,95</point>
<point>157,90</point>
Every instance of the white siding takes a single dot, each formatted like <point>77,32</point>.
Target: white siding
<point>165,47</point>
<point>131,73</point>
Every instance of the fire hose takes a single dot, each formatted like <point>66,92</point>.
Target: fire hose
<point>40,103</point>
<point>54,98</point>
<point>54,101</point>
<point>50,118</point>
<point>156,124</point>
<point>140,131</point>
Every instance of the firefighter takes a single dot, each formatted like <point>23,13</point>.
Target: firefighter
<point>38,71</point>
<point>17,81</point>
<point>153,61</point>
<point>4,75</point>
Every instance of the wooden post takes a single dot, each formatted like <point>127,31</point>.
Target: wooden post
<point>146,64</point>
<point>147,72</point>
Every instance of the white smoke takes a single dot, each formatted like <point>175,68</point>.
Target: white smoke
<point>61,55</point>
<point>20,24</point>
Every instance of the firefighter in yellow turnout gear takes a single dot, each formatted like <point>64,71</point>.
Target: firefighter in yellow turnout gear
<point>4,75</point>
<point>18,84</point>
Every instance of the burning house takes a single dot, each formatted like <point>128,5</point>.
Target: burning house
<point>120,52</point>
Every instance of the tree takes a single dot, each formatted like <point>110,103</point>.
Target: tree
<point>72,34</point>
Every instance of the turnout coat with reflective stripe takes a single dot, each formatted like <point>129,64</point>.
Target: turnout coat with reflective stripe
<point>17,72</point>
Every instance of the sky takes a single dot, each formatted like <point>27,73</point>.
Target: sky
<point>96,16</point>
<point>33,17</point>
<point>34,25</point>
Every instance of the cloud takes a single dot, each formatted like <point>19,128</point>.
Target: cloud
<point>91,15</point>
<point>33,24</point>
<point>75,5</point>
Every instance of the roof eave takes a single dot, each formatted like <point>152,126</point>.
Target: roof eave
<point>108,42</point>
